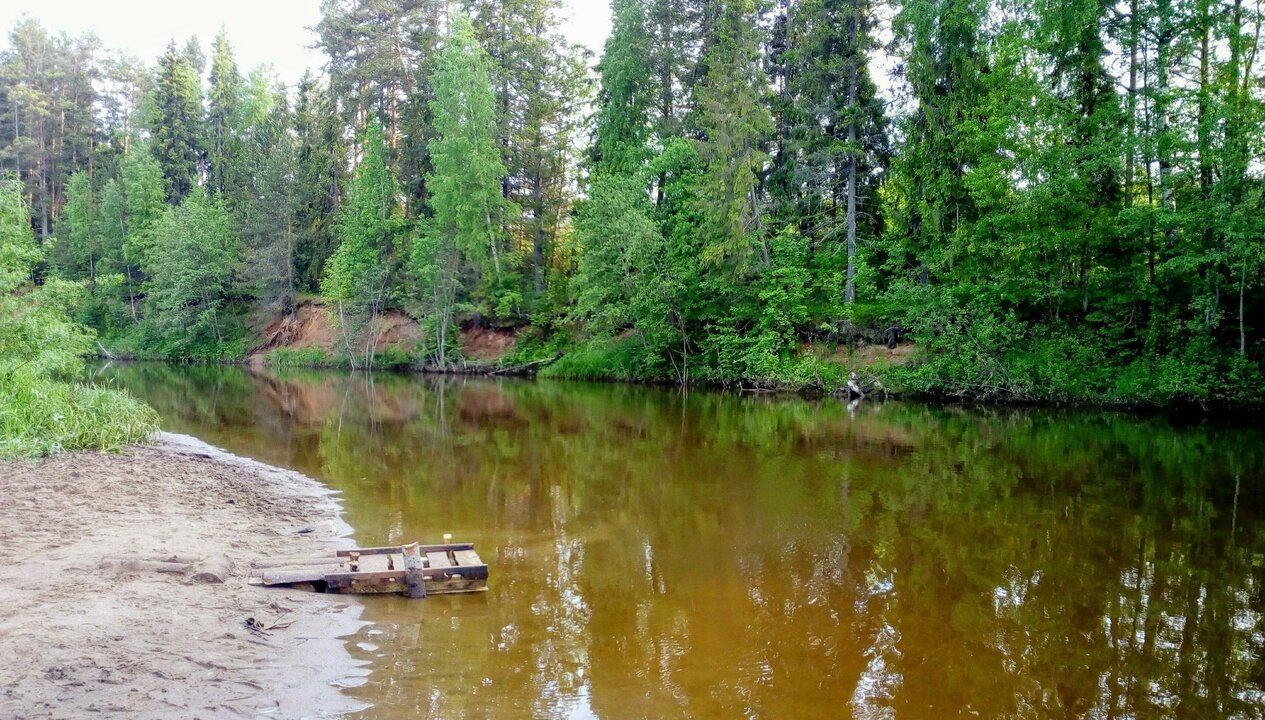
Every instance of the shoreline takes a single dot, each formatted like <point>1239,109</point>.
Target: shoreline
<point>97,623</point>
<point>1182,407</point>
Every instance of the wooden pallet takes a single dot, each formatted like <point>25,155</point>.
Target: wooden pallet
<point>413,570</point>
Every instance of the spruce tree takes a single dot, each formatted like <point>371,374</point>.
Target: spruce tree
<point>222,114</point>
<point>734,126</point>
<point>321,162</point>
<point>943,66</point>
<point>176,124</point>
<point>626,93</point>
<point>540,85</point>
<point>837,135</point>
<point>266,208</point>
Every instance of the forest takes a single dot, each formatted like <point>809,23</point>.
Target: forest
<point>1051,200</point>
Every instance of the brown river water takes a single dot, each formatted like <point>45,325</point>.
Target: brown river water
<point>656,554</point>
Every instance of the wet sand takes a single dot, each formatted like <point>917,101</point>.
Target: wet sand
<point>93,625</point>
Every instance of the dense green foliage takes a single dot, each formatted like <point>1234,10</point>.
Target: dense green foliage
<point>191,270</point>
<point>1057,200</point>
<point>42,409</point>
<point>459,246</point>
<point>358,276</point>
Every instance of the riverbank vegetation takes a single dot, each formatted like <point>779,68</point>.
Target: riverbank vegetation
<point>1054,200</point>
<point>43,410</point>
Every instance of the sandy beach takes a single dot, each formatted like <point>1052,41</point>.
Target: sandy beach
<point>123,587</point>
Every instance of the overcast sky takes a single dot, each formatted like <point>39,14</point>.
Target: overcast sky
<point>261,31</point>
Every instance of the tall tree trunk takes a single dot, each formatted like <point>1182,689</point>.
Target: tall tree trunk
<point>538,234</point>
<point>1164,144</point>
<point>1203,136</point>
<point>667,79</point>
<point>1132,121</point>
<point>850,289</point>
<point>1148,160</point>
<point>1242,329</point>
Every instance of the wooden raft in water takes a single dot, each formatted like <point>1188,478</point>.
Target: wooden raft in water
<point>413,570</point>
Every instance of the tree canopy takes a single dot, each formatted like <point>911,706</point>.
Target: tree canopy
<point>1054,199</point>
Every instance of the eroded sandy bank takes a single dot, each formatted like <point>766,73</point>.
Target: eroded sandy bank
<point>90,628</point>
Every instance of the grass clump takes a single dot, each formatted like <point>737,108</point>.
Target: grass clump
<point>600,359</point>
<point>44,417</point>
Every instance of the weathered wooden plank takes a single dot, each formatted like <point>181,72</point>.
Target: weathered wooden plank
<point>386,550</point>
<point>295,562</point>
<point>397,549</point>
<point>456,585</point>
<point>289,577</point>
<point>367,583</point>
<point>468,557</point>
<point>438,559</point>
<point>365,576</point>
<point>473,571</point>
<point>465,571</point>
<point>445,547</point>
<point>431,586</point>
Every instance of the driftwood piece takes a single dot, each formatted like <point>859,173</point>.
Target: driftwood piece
<point>213,572</point>
<point>520,369</point>
<point>854,384</point>
<point>141,565</point>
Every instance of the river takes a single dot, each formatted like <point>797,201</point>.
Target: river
<point>659,554</point>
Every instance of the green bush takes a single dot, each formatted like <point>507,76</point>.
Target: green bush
<point>41,413</point>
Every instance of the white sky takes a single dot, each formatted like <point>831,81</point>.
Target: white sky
<point>262,31</point>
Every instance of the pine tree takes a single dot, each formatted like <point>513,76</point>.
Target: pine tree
<point>381,56</point>
<point>47,128</point>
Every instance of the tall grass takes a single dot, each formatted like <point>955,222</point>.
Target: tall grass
<point>40,417</point>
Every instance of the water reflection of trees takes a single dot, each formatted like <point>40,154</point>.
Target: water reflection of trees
<point>705,555</point>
